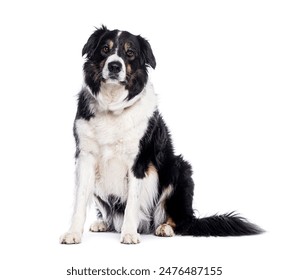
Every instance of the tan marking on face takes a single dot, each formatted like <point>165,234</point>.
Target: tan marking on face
<point>110,44</point>
<point>127,45</point>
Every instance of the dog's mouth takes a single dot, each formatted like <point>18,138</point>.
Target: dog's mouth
<point>114,79</point>
<point>113,76</point>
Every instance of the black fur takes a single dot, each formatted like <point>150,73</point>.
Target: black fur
<point>83,110</point>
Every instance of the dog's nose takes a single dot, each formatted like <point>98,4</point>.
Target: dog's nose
<point>114,67</point>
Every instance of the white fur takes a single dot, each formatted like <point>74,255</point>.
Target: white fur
<point>117,222</point>
<point>113,98</point>
<point>109,144</point>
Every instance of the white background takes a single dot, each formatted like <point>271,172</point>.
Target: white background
<point>222,80</point>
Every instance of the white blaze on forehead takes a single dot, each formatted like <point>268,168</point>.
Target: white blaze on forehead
<point>117,41</point>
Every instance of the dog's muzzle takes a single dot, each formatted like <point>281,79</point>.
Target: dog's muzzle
<point>114,69</point>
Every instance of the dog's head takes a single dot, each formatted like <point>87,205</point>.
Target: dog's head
<point>117,58</point>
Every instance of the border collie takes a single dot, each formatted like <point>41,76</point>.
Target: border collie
<point>125,159</point>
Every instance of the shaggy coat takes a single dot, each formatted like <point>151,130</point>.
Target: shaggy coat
<point>125,159</point>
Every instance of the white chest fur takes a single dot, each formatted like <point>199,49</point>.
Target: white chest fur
<point>113,140</point>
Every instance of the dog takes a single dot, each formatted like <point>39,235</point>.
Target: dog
<point>125,159</point>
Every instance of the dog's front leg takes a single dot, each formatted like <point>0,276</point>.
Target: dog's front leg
<point>85,180</point>
<point>129,234</point>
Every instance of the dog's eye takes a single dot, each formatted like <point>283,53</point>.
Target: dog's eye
<point>105,49</point>
<point>130,53</point>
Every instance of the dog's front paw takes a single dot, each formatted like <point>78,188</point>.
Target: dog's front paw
<point>130,238</point>
<point>70,238</point>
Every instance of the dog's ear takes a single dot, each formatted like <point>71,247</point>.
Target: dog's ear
<point>93,41</point>
<point>146,52</point>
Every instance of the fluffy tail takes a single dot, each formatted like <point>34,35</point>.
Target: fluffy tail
<point>230,224</point>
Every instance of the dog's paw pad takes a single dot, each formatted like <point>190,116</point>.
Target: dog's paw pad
<point>98,226</point>
<point>130,238</point>
<point>70,238</point>
<point>164,230</point>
